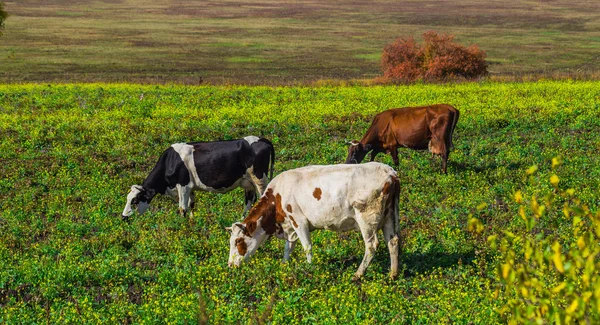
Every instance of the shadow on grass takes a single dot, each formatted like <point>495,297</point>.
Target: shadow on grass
<point>413,263</point>
<point>457,167</point>
<point>422,263</point>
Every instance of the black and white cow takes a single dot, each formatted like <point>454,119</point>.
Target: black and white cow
<point>218,166</point>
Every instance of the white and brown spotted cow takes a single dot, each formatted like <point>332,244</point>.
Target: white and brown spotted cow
<point>335,197</point>
<point>218,166</point>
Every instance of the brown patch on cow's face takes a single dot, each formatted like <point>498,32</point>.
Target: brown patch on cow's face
<point>242,248</point>
<point>289,208</point>
<point>294,222</point>
<point>317,193</point>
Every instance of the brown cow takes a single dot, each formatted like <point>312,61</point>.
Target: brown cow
<point>424,127</point>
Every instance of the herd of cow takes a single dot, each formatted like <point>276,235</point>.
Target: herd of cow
<point>335,197</point>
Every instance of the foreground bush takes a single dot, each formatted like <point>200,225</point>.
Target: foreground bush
<point>548,275</point>
<point>438,59</point>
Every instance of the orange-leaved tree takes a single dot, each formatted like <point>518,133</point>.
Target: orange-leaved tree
<point>438,59</point>
<point>3,16</point>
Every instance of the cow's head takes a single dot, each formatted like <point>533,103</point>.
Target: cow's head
<point>357,152</point>
<point>139,197</point>
<point>244,241</point>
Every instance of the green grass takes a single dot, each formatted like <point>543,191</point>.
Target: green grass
<point>371,56</point>
<point>69,153</point>
<point>246,60</point>
<point>192,42</point>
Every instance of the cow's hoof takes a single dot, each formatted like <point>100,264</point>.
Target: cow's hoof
<point>356,278</point>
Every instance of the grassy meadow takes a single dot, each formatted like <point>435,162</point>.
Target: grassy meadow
<point>69,153</point>
<point>281,42</point>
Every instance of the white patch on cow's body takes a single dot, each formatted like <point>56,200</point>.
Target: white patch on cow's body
<point>251,139</point>
<point>252,183</point>
<point>186,152</point>
<point>259,183</point>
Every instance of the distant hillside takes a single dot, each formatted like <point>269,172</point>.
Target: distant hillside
<point>283,41</point>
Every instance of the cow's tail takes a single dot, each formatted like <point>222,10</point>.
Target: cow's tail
<point>392,209</point>
<point>272,154</point>
<point>455,120</point>
<point>272,161</point>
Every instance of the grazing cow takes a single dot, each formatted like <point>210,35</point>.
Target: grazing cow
<point>425,127</point>
<point>218,166</point>
<point>335,197</point>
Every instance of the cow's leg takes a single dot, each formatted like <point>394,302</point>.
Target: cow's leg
<point>289,248</point>
<point>444,161</point>
<point>250,197</point>
<point>184,199</point>
<point>304,236</point>
<point>440,138</point>
<point>391,238</point>
<point>259,182</point>
<point>373,154</point>
<point>180,199</point>
<point>261,185</point>
<point>369,233</point>
<point>192,204</point>
<point>394,152</point>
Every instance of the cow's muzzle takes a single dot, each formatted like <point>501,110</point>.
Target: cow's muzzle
<point>235,262</point>
<point>126,214</point>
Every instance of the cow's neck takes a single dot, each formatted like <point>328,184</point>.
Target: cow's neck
<point>371,138</point>
<point>266,213</point>
<point>156,180</point>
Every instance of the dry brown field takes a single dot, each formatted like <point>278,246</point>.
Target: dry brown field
<point>282,42</point>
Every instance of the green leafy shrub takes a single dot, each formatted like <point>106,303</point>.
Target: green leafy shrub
<point>547,275</point>
<point>438,59</point>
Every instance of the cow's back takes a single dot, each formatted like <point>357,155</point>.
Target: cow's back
<point>220,164</point>
<point>407,127</point>
<point>411,126</point>
<point>327,195</point>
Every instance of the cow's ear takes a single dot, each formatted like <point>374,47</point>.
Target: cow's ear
<point>241,226</point>
<point>229,229</point>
